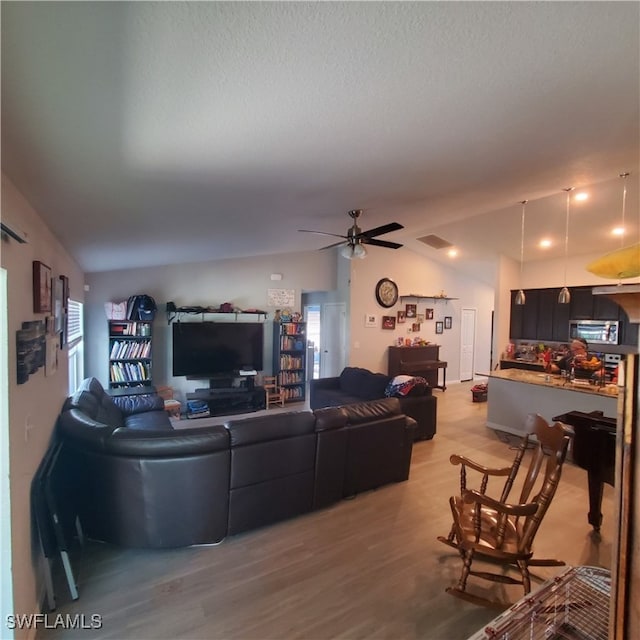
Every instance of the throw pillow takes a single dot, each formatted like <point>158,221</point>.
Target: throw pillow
<point>403,386</point>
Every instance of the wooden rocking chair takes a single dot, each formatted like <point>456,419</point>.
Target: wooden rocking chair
<point>274,394</point>
<point>503,532</point>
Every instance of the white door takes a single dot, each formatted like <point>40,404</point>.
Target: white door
<point>332,339</point>
<point>467,343</point>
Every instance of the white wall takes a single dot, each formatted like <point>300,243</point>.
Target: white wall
<point>33,406</point>
<point>243,282</point>
<point>414,273</point>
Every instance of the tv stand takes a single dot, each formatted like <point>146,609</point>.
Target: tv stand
<point>230,400</point>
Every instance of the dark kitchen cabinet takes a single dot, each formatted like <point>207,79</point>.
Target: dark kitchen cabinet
<point>627,331</point>
<point>547,302</point>
<point>530,315</point>
<point>581,304</point>
<point>604,308</point>
<point>561,317</point>
<point>515,324</point>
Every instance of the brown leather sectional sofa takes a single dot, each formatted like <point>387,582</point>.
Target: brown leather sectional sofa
<point>152,486</point>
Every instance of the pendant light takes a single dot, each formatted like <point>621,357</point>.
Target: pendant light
<point>624,177</point>
<point>565,297</point>
<point>520,297</point>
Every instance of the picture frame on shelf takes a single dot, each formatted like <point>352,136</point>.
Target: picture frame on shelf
<point>439,326</point>
<point>448,322</point>
<point>388,322</point>
<point>41,287</point>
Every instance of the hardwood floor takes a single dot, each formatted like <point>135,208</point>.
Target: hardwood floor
<point>370,567</point>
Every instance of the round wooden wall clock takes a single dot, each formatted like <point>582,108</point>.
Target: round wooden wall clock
<point>386,292</point>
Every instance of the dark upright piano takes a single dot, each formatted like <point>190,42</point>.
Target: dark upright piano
<point>418,361</point>
<point>594,449</point>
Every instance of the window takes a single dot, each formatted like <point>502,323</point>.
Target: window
<point>75,342</point>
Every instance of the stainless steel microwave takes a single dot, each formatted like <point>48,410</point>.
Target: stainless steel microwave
<point>595,331</point>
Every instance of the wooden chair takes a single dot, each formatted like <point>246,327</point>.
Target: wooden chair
<point>503,532</point>
<point>274,394</point>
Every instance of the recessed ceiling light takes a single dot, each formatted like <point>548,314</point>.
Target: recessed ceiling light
<point>452,253</point>
<point>545,243</point>
<point>617,231</point>
<point>579,197</point>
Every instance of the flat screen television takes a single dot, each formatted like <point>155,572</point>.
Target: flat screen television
<point>210,349</point>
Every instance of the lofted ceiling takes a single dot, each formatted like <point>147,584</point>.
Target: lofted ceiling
<point>149,133</point>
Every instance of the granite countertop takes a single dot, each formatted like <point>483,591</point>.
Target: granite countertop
<point>555,381</point>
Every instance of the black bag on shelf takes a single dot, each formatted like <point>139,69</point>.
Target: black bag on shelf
<point>141,307</point>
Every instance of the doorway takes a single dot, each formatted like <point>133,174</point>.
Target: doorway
<point>327,330</point>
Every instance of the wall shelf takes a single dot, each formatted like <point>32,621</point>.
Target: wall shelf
<point>418,296</point>
<point>202,311</point>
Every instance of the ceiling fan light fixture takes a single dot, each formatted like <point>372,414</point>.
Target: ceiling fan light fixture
<point>359,251</point>
<point>347,251</point>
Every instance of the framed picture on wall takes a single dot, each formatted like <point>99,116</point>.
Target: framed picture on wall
<point>439,326</point>
<point>415,327</point>
<point>447,322</point>
<point>429,314</point>
<point>401,317</point>
<point>388,322</point>
<point>411,310</point>
<point>370,320</point>
<point>41,287</point>
<point>58,309</point>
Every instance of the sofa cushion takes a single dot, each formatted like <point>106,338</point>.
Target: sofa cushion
<point>402,386</point>
<point>149,420</point>
<point>362,383</point>
<point>91,399</point>
<point>139,403</point>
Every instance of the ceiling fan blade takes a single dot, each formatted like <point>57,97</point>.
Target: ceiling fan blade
<point>322,233</point>
<point>335,244</point>
<point>380,243</point>
<point>378,231</point>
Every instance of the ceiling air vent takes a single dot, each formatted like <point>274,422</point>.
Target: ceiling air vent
<point>435,241</point>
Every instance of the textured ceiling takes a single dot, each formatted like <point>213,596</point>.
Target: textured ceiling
<point>148,133</point>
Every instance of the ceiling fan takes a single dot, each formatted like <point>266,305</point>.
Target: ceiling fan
<point>355,238</point>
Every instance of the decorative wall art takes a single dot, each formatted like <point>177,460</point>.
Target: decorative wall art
<point>429,314</point>
<point>420,318</point>
<point>281,297</point>
<point>447,322</point>
<point>41,287</point>
<point>370,320</point>
<point>439,326</point>
<point>415,327</point>
<point>401,317</point>
<point>65,293</point>
<point>30,349</point>
<point>411,310</point>
<point>51,361</point>
<point>58,309</point>
<point>388,322</point>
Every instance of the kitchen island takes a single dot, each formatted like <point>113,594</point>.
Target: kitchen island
<point>513,394</point>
